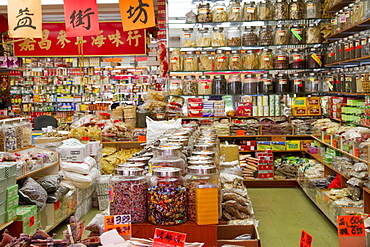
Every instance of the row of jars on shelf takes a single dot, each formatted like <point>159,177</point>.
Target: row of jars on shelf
<point>251,36</point>
<point>249,59</point>
<point>250,11</point>
<point>349,80</point>
<point>250,84</point>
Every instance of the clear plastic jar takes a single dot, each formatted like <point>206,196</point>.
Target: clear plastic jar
<point>235,61</point>
<point>346,50</point>
<point>297,84</point>
<point>264,10</point>
<point>282,83</point>
<point>312,83</point>
<point>313,34</point>
<point>341,21</point>
<point>296,10</point>
<point>175,87</point>
<point>249,11</point>
<point>204,12</point>
<point>281,10</point>
<point>166,197</point>
<point>187,38</point>
<point>190,17</point>
<point>297,59</point>
<point>233,36</point>
<point>347,13</point>
<point>168,156</point>
<point>218,37</point>
<point>175,60</point>
<point>205,61</point>
<point>281,59</point>
<point>204,85</point>
<point>267,84</point>
<point>313,9</point>
<point>314,59</point>
<point>266,59</point>
<point>190,61</point>
<point>27,133</point>
<point>141,115</point>
<point>251,84</point>
<point>129,189</point>
<point>234,85</point>
<point>219,13</point>
<point>10,137</point>
<point>266,36</point>
<point>351,42</point>
<point>203,37</point>
<point>190,85</point>
<point>234,11</point>
<point>219,85</point>
<point>199,176</point>
<point>250,59</point>
<point>281,35</point>
<point>334,24</point>
<point>249,37</point>
<point>220,60</point>
<point>297,35</point>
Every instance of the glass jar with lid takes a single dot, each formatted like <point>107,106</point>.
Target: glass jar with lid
<point>235,60</point>
<point>251,84</point>
<point>190,85</point>
<point>357,44</point>
<point>175,60</point>
<point>219,85</point>
<point>190,61</point>
<point>167,156</point>
<point>297,35</point>
<point>27,133</point>
<point>204,85</point>
<point>296,10</point>
<point>358,12</point>
<point>312,9</point>
<point>129,189</point>
<point>187,38</point>
<point>266,59</point>
<point>219,13</point>
<point>233,36</point>
<point>203,37</point>
<point>18,126</point>
<point>234,85</point>
<point>158,113</point>
<point>175,87</point>
<point>314,58</point>
<point>191,17</point>
<point>312,83</point>
<point>266,36</point>
<point>363,38</point>
<point>249,11</point>
<point>204,12</point>
<point>334,23</point>
<point>296,83</point>
<point>341,21</point>
<point>137,165</point>
<point>205,61</point>
<point>347,12</point>
<point>281,10</point>
<point>10,137</point>
<point>313,34</point>
<point>282,83</point>
<point>297,59</point>
<point>250,59</point>
<point>200,176</point>
<point>249,37</point>
<point>281,35</point>
<point>346,50</point>
<point>218,37</point>
<point>281,59</point>
<point>166,197</point>
<point>234,11</point>
<point>351,41</point>
<point>141,114</point>
<point>220,60</point>
<point>264,10</point>
<point>267,85</point>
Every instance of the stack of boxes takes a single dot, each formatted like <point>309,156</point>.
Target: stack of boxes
<point>268,105</point>
<point>29,216</point>
<point>9,196</point>
<point>353,111</point>
<point>84,201</point>
<point>210,108</point>
<point>102,189</point>
<point>366,119</point>
<point>265,164</point>
<point>195,106</point>
<point>246,145</point>
<point>306,106</point>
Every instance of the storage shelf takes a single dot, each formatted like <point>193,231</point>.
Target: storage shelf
<point>60,221</point>
<point>294,136</point>
<point>5,225</point>
<point>128,142</point>
<point>38,170</point>
<point>243,71</point>
<point>361,26</point>
<point>321,160</point>
<point>351,61</point>
<point>338,6</point>
<point>350,94</point>
<point>275,151</point>
<point>243,47</point>
<point>270,183</point>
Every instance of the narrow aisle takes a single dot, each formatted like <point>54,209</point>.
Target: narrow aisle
<point>284,212</point>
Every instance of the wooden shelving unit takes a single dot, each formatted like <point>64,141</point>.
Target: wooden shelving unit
<point>338,6</point>
<point>38,170</point>
<point>5,225</point>
<point>361,26</point>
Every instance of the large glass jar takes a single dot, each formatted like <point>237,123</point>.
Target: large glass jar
<point>266,36</point>
<point>219,12</point>
<point>175,60</point>
<point>129,189</point>
<point>175,87</point>
<point>233,36</point>
<point>250,37</point>
<point>266,59</point>
<point>281,59</point>
<point>158,113</point>
<point>18,126</point>
<point>205,61</point>
<point>199,176</point>
<point>166,197</point>
<point>218,37</point>
<point>220,60</point>
<point>27,133</point>
<point>249,11</point>
<point>313,9</point>
<point>234,11</point>
<point>346,50</point>
<point>297,59</point>
<point>296,10</point>
<point>357,45</point>
<point>312,83</point>
<point>264,10</point>
<point>267,85</point>
<point>234,85</point>
<point>347,13</point>
<point>187,38</point>
<point>10,137</point>
<point>251,84</point>
<point>250,59</point>
<point>297,35</point>
<point>282,83</point>
<point>204,85</point>
<point>190,85</point>
<point>351,41</point>
<point>296,83</point>
<point>235,60</point>
<point>314,59</point>
<point>167,156</point>
<point>281,10</point>
<point>281,35</point>
<point>204,12</point>
<point>203,37</point>
<point>313,34</point>
<point>219,85</point>
<point>190,61</point>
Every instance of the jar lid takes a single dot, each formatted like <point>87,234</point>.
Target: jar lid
<point>190,53</point>
<point>199,157</point>
<point>311,74</point>
<point>204,77</point>
<point>218,29</point>
<point>205,152</point>
<point>205,52</point>
<point>249,76</point>
<point>129,171</point>
<point>234,52</point>
<point>203,29</point>
<point>220,51</point>
<point>149,154</point>
<point>191,77</point>
<point>168,147</point>
<point>187,29</point>
<point>132,165</point>
<point>219,77</point>
<point>282,74</point>
<point>166,171</point>
<point>250,51</point>
<point>202,168</point>
<point>138,159</point>
<point>280,25</point>
<point>295,74</point>
<point>175,77</point>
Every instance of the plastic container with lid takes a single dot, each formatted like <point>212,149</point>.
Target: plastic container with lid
<point>297,59</point>
<point>175,60</point>
<point>281,35</point>
<point>313,83</point>
<point>203,37</point>
<point>190,85</point>
<point>139,159</point>
<point>191,17</point>
<point>10,137</point>
<point>138,165</point>
<point>218,37</point>
<point>129,189</point>
<point>220,60</point>
<point>296,83</point>
<point>312,9</point>
<point>297,35</point>
<point>250,59</point>
<point>281,59</point>
<point>190,61</point>
<point>264,10</point>
<point>234,11</point>
<point>187,38</point>
<point>204,85</point>
<point>175,87</point>
<point>313,34</point>
<point>205,61</point>
<point>282,83</point>
<point>281,10</point>
<point>267,84</point>
<point>141,115</point>
<point>204,12</point>
<point>199,176</point>
<point>266,59</point>
<point>18,126</point>
<point>219,85</point>
<point>251,84</point>
<point>265,36</point>
<point>233,36</point>
<point>166,197</point>
<point>235,60</point>
<point>347,12</point>
<point>234,85</point>
<point>219,13</point>
<point>314,58</point>
<point>351,40</point>
<point>249,37</point>
<point>357,46</point>
<point>346,50</point>
<point>168,156</point>
<point>296,10</point>
<point>249,11</point>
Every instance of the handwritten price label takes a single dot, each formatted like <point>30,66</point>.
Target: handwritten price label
<point>168,238</point>
<point>306,239</point>
<point>351,226</point>
<point>122,223</point>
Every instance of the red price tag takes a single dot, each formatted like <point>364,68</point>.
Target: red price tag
<point>356,152</point>
<point>306,239</point>
<point>141,138</point>
<point>32,221</point>
<point>351,225</point>
<point>122,223</point>
<point>57,205</point>
<point>168,238</point>
<point>240,132</point>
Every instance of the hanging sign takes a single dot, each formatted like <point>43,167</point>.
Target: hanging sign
<point>25,19</point>
<point>168,238</point>
<point>122,223</point>
<point>81,18</point>
<point>306,239</point>
<point>137,14</point>
<point>111,41</point>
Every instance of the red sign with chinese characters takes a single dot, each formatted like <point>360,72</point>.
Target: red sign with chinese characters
<point>169,238</point>
<point>306,239</point>
<point>351,225</point>
<point>137,14</point>
<point>112,41</point>
<point>81,18</point>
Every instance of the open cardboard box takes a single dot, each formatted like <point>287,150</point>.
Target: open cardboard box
<point>226,234</point>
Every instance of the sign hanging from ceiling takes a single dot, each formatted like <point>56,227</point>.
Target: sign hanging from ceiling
<point>111,41</point>
<point>81,18</point>
<point>25,19</point>
<point>137,14</point>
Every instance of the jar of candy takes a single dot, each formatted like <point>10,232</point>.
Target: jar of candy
<point>296,84</point>
<point>267,85</point>
<point>204,12</point>
<point>249,37</point>
<point>203,37</point>
<point>281,35</point>
<point>218,37</point>
<point>234,11</point>
<point>312,9</point>
<point>205,61</point>
<point>220,60</point>
<point>190,85</point>
<point>297,59</point>
<point>314,59</point>
<point>313,34</point>
<point>249,11</point>
<point>235,60</point>
<point>166,197</point>
<point>219,85</point>
<point>200,176</point>
<point>219,13</point>
<point>10,137</point>
<point>187,38</point>
<point>190,61</point>
<point>266,59</point>
<point>168,156</point>
<point>129,193</point>
<point>175,87</point>
<point>264,10</point>
<point>175,60</point>
<point>282,83</point>
<point>234,85</point>
<point>312,83</point>
<point>204,85</point>
<point>296,10</point>
<point>281,59</point>
<point>266,36</point>
<point>251,85</point>
<point>281,10</point>
<point>250,59</point>
<point>233,36</point>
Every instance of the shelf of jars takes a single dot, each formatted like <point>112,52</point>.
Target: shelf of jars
<point>338,5</point>
<point>352,61</point>
<point>360,26</point>
<point>246,47</point>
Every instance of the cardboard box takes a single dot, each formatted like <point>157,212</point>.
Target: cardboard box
<point>314,110</point>
<point>299,111</point>
<point>94,148</point>
<point>299,102</point>
<point>267,175</point>
<point>293,145</point>
<point>313,101</point>
<point>226,234</point>
<point>10,214</point>
<point>102,186</point>
<point>74,154</point>
<point>263,145</point>
<point>12,202</point>
<point>46,140</point>
<point>305,144</point>
<point>103,202</point>
<point>278,146</point>
<point>12,191</point>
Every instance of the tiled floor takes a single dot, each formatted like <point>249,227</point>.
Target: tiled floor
<point>284,212</point>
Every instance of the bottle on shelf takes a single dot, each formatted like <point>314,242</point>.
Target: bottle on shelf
<point>234,11</point>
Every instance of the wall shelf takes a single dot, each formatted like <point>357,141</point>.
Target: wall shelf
<point>361,26</point>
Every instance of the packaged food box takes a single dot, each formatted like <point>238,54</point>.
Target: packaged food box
<point>278,146</point>
<point>313,101</point>
<point>299,111</point>
<point>293,145</point>
<point>299,102</point>
<point>263,145</point>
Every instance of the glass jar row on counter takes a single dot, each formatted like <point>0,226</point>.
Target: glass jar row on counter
<point>250,84</point>
<point>245,60</point>
<point>349,80</point>
<point>251,36</point>
<point>15,135</point>
<point>250,11</point>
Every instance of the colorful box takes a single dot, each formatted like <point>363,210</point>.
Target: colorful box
<point>314,110</point>
<point>12,202</point>
<point>293,145</point>
<point>278,146</point>
<point>12,191</point>
<point>265,167</point>
<point>269,175</point>
<point>313,101</point>
<point>299,102</point>
<point>263,145</point>
<point>299,111</point>
<point>10,214</point>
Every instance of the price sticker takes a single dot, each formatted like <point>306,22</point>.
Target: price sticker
<point>306,239</point>
<point>122,223</point>
<point>168,238</point>
<point>351,225</point>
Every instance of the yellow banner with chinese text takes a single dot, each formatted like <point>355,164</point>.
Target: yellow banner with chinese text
<point>137,14</point>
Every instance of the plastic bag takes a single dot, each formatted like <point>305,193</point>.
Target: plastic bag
<point>157,128</point>
<point>50,183</point>
<point>56,195</point>
<point>96,225</point>
<point>81,168</point>
<point>360,167</point>
<point>79,180</point>
<point>33,193</point>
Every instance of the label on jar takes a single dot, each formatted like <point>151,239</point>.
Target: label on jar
<point>235,59</point>
<point>266,58</point>
<point>293,7</point>
<point>348,14</point>
<point>297,57</point>
<point>187,35</point>
<point>221,59</point>
<point>250,10</point>
<point>348,78</point>
<point>334,21</point>
<point>296,32</point>
<point>174,83</point>
<point>283,81</point>
<point>281,33</point>
<point>297,81</point>
<point>236,9</point>
<point>220,10</point>
<point>342,18</point>
<point>317,59</point>
<point>281,58</point>
<point>363,41</point>
<point>267,82</point>
<point>346,47</point>
<point>202,11</point>
<point>174,60</point>
<point>189,59</point>
<point>310,6</point>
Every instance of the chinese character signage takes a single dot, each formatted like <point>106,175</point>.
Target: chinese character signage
<point>25,19</point>
<point>110,41</point>
<point>306,239</point>
<point>81,18</point>
<point>351,225</point>
<point>137,14</point>
<point>168,238</point>
<point>122,223</point>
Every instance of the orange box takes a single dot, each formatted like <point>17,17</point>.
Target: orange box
<point>313,101</point>
<point>300,111</point>
<point>314,110</point>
